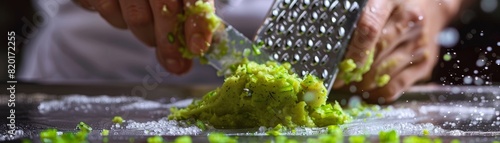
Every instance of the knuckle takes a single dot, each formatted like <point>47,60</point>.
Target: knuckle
<point>367,31</point>
<point>415,16</point>
<point>370,26</point>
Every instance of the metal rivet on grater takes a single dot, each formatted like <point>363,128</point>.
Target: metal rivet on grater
<point>310,34</point>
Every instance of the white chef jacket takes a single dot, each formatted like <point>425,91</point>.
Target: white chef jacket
<point>74,45</point>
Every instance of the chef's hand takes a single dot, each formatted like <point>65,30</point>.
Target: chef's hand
<point>403,35</point>
<point>152,21</point>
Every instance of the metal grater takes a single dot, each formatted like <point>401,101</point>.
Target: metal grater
<point>312,35</point>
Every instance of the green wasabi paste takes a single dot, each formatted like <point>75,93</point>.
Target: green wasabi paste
<point>220,138</point>
<point>265,95</point>
<point>350,72</point>
<point>183,139</point>
<point>104,132</point>
<point>276,131</point>
<point>335,135</point>
<point>52,136</point>
<point>155,139</point>
<point>425,132</point>
<point>117,120</point>
<point>447,57</point>
<point>383,80</point>
<point>424,139</point>
<point>389,137</point>
<point>207,11</point>
<point>357,139</point>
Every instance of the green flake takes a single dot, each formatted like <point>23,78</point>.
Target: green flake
<point>171,38</point>
<point>117,120</point>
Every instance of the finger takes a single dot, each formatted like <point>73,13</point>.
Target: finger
<point>137,14</point>
<point>404,79</point>
<point>393,63</point>
<point>367,33</point>
<point>168,27</point>
<point>197,31</point>
<point>338,83</point>
<point>110,11</point>
<point>175,65</point>
<point>403,24</point>
<point>84,4</point>
<point>368,29</point>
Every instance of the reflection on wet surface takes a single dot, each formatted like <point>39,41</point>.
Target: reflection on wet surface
<point>463,112</point>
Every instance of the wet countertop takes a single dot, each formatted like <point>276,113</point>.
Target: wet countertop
<point>468,113</point>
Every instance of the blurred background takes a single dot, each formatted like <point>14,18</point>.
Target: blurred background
<point>471,41</point>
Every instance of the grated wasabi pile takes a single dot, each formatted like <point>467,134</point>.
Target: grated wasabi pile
<point>265,95</point>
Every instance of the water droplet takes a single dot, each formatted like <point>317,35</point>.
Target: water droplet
<point>381,100</point>
<point>497,61</point>
<point>449,37</point>
<point>478,81</point>
<point>455,90</point>
<point>489,49</point>
<point>480,62</point>
<point>366,95</point>
<point>489,6</point>
<point>467,80</point>
<point>352,88</point>
<point>248,91</point>
<point>447,57</point>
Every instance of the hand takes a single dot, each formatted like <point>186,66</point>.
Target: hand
<point>403,36</point>
<point>156,23</point>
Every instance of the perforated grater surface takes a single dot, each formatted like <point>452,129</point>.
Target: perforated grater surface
<point>312,35</point>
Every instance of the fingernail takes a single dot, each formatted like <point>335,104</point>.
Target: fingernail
<point>174,66</point>
<point>197,44</point>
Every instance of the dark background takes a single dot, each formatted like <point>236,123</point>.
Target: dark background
<point>471,47</point>
<point>469,23</point>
